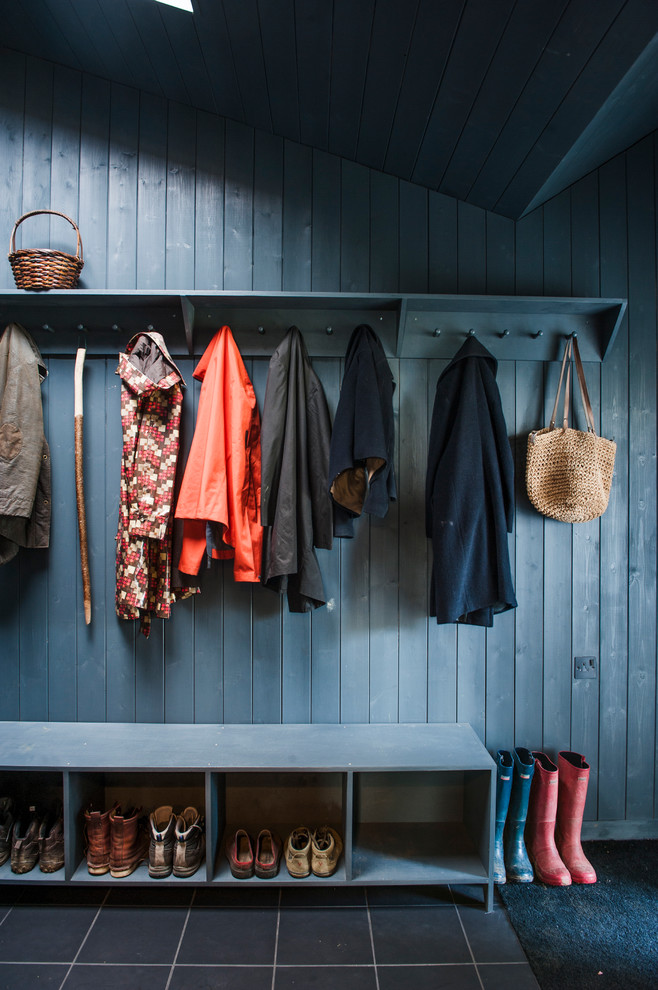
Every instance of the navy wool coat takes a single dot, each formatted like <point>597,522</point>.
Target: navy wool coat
<point>295,504</point>
<point>361,475</point>
<point>469,494</point>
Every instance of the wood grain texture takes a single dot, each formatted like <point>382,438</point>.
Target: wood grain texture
<point>170,197</point>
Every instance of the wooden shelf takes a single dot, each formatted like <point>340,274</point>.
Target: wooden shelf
<point>414,803</point>
<point>409,325</point>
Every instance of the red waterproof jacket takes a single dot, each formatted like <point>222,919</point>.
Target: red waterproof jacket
<point>221,484</point>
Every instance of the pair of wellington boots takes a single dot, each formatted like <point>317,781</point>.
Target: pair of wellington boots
<point>514,778</point>
<point>555,818</point>
<point>116,843</point>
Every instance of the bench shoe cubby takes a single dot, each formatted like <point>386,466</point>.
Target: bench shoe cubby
<point>413,803</point>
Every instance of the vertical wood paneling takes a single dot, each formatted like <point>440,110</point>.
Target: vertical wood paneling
<point>413,552</point>
<point>209,207</point>
<point>384,233</point>
<point>268,212</point>
<point>642,484</point>
<point>12,84</point>
<point>325,622</point>
<point>165,196</point>
<point>528,533</point>
<point>181,161</point>
<point>65,172</point>
<point>499,692</point>
<point>441,639</point>
<point>297,212</point>
<point>325,231</point>
<point>413,238</point>
<point>94,162</point>
<point>64,584</point>
<point>37,152</point>
<point>120,637</point>
<point>614,523</point>
<point>385,582</point>
<point>355,228</point>
<point>238,206</point>
<point>152,192</point>
<point>122,191</point>
<point>91,639</point>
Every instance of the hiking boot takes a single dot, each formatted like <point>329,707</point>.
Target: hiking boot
<point>162,824</point>
<point>25,843</point>
<point>97,838</point>
<point>326,847</point>
<point>51,841</point>
<point>189,844</point>
<point>297,852</point>
<point>268,854</point>
<point>6,824</point>
<point>129,841</point>
<point>240,855</point>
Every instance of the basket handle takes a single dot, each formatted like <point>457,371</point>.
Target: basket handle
<point>36,213</point>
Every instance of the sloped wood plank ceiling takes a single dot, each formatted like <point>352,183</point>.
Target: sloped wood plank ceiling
<point>500,103</point>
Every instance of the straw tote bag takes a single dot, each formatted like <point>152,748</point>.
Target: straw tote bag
<point>569,472</point>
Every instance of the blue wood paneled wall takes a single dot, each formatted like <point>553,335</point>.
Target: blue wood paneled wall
<point>169,197</point>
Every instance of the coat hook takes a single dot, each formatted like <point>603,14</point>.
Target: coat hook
<point>115,327</point>
<point>329,331</point>
<point>505,333</point>
<point>261,330</point>
<point>150,328</point>
<point>471,333</point>
<point>538,334</point>
<point>436,332</point>
<point>572,335</point>
<point>47,327</point>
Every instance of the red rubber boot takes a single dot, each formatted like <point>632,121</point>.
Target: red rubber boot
<point>540,825</point>
<point>574,777</point>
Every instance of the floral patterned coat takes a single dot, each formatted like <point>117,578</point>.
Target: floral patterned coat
<point>151,403</point>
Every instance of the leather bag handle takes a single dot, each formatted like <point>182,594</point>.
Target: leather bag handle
<point>567,357</point>
<point>587,406</point>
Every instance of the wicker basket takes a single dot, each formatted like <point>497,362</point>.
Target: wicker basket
<point>43,268</point>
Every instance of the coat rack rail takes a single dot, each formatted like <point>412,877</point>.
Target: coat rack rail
<point>409,325</point>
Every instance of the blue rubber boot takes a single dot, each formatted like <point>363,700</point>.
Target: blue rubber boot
<point>505,767</point>
<point>517,864</point>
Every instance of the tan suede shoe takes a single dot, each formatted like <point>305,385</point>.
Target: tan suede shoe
<point>326,847</point>
<point>297,852</point>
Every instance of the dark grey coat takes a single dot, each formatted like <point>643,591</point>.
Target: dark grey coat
<point>469,496</point>
<point>24,453</point>
<point>295,504</point>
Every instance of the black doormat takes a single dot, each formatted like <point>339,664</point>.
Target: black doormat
<point>599,935</point>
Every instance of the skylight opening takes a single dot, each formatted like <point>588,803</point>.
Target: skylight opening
<point>181,4</point>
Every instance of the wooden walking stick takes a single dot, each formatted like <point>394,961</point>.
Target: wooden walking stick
<point>79,481</point>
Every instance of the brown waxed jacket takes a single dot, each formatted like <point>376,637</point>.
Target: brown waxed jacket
<point>24,453</point>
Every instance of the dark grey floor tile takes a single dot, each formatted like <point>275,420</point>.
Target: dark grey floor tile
<point>418,935</point>
<point>152,896</point>
<point>429,978</point>
<point>42,933</point>
<point>472,894</point>
<point>117,978</point>
<point>27,976</point>
<point>229,936</point>
<point>324,936</point>
<point>138,935</point>
<point>255,895</point>
<point>431,896</point>
<point>508,976</point>
<point>221,978</point>
<point>325,978</point>
<point>490,936</point>
<point>41,894</point>
<point>323,897</point>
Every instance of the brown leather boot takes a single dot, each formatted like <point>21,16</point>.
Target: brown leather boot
<point>129,841</point>
<point>97,833</point>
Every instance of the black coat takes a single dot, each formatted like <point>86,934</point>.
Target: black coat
<point>469,495</point>
<point>295,505</point>
<point>361,475</point>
